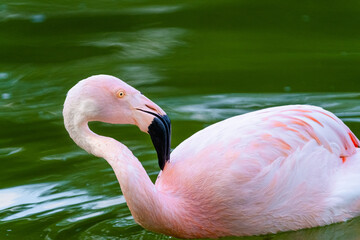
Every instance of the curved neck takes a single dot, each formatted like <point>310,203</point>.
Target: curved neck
<point>141,196</point>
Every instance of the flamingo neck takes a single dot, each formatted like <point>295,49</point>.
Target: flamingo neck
<point>141,196</point>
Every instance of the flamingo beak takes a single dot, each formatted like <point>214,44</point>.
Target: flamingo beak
<point>160,133</point>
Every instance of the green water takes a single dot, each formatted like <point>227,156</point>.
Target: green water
<point>201,61</point>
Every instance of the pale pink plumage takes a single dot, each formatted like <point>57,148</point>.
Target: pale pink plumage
<point>278,169</point>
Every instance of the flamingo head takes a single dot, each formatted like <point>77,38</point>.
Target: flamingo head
<point>108,99</point>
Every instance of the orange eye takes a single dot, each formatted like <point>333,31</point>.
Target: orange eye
<point>120,93</point>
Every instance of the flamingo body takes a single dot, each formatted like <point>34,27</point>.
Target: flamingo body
<point>277,169</point>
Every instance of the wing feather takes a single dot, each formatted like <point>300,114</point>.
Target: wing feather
<point>268,134</point>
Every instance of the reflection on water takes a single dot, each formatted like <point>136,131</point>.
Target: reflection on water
<point>142,44</point>
<point>63,156</point>
<point>201,62</point>
<point>217,107</point>
<point>35,199</point>
<point>145,44</point>
<point>4,152</point>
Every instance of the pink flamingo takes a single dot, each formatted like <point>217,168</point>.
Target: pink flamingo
<point>277,169</point>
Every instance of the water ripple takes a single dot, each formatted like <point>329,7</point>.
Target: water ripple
<point>4,152</point>
<point>27,200</point>
<point>210,108</point>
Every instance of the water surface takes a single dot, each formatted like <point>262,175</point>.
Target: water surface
<point>201,61</point>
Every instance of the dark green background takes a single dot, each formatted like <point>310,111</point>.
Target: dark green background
<point>201,61</point>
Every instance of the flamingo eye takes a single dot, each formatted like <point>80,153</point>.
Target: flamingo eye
<point>120,93</point>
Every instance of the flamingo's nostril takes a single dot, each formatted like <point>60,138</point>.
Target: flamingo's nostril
<point>152,108</point>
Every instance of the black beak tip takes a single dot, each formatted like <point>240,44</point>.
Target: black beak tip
<point>160,133</point>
